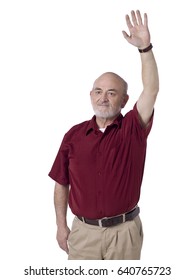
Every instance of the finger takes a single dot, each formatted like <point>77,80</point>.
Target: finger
<point>145,19</point>
<point>134,19</point>
<point>64,246</point>
<point>128,21</point>
<point>139,17</point>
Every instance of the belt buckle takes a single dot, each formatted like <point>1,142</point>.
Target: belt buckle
<point>100,223</point>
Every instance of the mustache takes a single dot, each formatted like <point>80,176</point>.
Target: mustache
<point>103,103</point>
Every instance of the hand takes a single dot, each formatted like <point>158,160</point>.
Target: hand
<point>62,238</point>
<point>139,32</point>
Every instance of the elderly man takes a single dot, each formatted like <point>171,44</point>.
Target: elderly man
<point>99,167</point>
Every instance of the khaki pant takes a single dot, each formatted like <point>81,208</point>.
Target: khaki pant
<point>120,242</point>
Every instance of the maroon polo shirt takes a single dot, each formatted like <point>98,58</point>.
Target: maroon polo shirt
<point>104,170</point>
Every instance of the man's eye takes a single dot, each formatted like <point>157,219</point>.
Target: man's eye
<point>97,92</point>
<point>111,93</point>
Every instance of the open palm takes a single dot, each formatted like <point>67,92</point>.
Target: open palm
<point>139,33</point>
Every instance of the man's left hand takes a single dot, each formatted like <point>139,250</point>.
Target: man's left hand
<point>139,32</point>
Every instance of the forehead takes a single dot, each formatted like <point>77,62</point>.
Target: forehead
<point>108,81</point>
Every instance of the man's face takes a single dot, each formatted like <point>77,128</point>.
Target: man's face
<point>107,96</point>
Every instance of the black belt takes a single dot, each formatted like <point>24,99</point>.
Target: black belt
<point>109,222</point>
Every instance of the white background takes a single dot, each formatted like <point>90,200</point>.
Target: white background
<point>50,54</point>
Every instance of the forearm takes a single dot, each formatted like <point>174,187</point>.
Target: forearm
<point>61,194</point>
<point>150,77</point>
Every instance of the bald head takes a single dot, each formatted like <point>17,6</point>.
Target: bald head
<point>113,78</point>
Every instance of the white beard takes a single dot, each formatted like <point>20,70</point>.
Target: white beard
<point>108,114</point>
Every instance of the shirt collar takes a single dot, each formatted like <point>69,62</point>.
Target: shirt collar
<point>92,126</point>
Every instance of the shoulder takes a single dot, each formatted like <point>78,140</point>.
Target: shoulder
<point>76,130</point>
<point>132,119</point>
<point>131,116</point>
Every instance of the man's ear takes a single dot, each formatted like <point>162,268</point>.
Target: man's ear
<point>125,99</point>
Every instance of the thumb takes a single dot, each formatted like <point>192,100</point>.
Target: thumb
<point>126,36</point>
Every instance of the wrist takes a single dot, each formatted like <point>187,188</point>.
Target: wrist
<point>147,49</point>
<point>61,223</point>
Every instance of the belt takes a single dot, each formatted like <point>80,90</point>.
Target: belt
<point>112,221</point>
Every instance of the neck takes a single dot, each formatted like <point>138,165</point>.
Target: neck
<point>104,122</point>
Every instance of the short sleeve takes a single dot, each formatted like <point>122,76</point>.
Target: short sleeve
<point>59,171</point>
<point>145,129</point>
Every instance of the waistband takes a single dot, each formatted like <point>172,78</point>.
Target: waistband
<point>112,221</point>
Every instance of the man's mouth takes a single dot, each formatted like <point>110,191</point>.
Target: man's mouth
<point>104,105</point>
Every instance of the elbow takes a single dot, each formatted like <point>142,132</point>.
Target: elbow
<point>151,92</point>
<point>154,90</point>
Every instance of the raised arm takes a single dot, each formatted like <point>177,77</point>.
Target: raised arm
<point>140,37</point>
<point>61,203</point>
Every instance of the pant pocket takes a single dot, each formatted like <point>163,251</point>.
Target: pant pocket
<point>74,229</point>
<point>139,226</point>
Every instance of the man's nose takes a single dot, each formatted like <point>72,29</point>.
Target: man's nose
<point>104,97</point>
